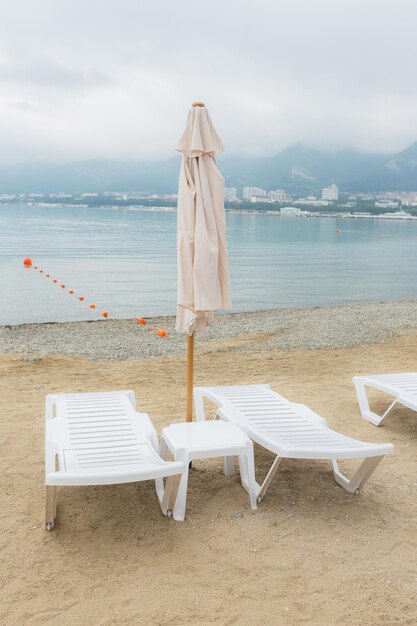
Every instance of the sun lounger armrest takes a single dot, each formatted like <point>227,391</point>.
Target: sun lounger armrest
<point>131,395</point>
<point>53,452</point>
<point>148,429</point>
<point>50,403</point>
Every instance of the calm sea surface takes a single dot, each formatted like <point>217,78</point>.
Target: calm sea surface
<point>124,261</point>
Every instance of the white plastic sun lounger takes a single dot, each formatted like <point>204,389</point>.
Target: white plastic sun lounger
<point>402,386</point>
<point>290,431</point>
<point>100,439</point>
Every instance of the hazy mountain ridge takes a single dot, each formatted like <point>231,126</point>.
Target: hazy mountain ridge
<point>298,169</point>
<point>397,173</point>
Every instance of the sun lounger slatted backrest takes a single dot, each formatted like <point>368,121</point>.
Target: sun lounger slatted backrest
<point>102,430</point>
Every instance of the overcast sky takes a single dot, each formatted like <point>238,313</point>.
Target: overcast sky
<point>115,78</point>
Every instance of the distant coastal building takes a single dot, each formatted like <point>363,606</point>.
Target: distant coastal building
<point>386,204</point>
<point>255,199</point>
<point>312,201</point>
<point>278,195</point>
<point>250,192</point>
<point>291,210</point>
<point>230,194</point>
<point>256,194</point>
<point>330,193</point>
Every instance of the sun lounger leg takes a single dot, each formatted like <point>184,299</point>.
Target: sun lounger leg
<point>269,478</point>
<point>169,496</point>
<point>229,465</point>
<point>199,406</point>
<point>50,506</point>
<point>360,477</point>
<point>247,475</point>
<point>159,482</point>
<point>366,412</point>
<point>178,510</point>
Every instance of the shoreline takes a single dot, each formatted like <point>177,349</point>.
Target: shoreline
<point>290,329</point>
<point>402,216</point>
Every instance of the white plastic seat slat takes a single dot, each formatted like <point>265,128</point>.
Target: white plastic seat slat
<point>94,402</point>
<point>110,454</point>
<point>108,461</point>
<point>98,443</point>
<point>99,438</point>
<point>108,420</point>
<point>91,434</point>
<point>71,401</point>
<point>278,417</point>
<point>114,451</point>
<point>257,403</point>
<point>86,426</point>
<point>86,413</point>
<point>112,462</point>
<point>99,428</point>
<point>270,408</point>
<point>270,411</point>
<point>115,439</point>
<point>99,423</point>
<point>96,423</point>
<point>296,424</point>
<point>313,440</point>
<point>104,444</point>
<point>277,429</point>
<point>76,406</point>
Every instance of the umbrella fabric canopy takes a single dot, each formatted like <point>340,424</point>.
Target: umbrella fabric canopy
<point>203,269</point>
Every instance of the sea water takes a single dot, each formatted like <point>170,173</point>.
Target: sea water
<point>124,261</point>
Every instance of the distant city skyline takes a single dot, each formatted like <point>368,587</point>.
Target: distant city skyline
<point>114,79</point>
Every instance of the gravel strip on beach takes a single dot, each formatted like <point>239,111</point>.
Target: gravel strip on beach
<point>341,326</point>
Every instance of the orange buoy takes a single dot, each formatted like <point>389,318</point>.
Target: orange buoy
<point>54,280</point>
<point>71,291</point>
<point>40,271</point>
<point>63,285</point>
<point>92,306</point>
<point>105,314</point>
<point>337,231</point>
<point>81,298</point>
<point>35,267</point>
<point>48,275</point>
<point>140,320</point>
<point>27,262</point>
<point>161,332</point>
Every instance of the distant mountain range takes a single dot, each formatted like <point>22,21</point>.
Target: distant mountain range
<point>297,169</point>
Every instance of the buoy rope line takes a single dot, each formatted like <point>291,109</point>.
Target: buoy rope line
<point>161,332</point>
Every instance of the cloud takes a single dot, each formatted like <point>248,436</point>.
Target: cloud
<point>114,78</point>
<point>51,74</point>
<point>25,107</point>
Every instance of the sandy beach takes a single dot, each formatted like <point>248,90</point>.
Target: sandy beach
<point>311,553</point>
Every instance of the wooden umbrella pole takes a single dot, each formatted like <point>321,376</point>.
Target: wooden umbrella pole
<point>190,376</point>
<point>190,352</point>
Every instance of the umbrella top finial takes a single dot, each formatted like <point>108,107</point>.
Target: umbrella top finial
<point>198,104</point>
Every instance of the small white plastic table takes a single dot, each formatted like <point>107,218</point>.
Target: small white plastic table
<point>203,440</point>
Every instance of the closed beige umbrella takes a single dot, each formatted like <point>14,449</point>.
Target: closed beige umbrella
<point>203,269</point>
